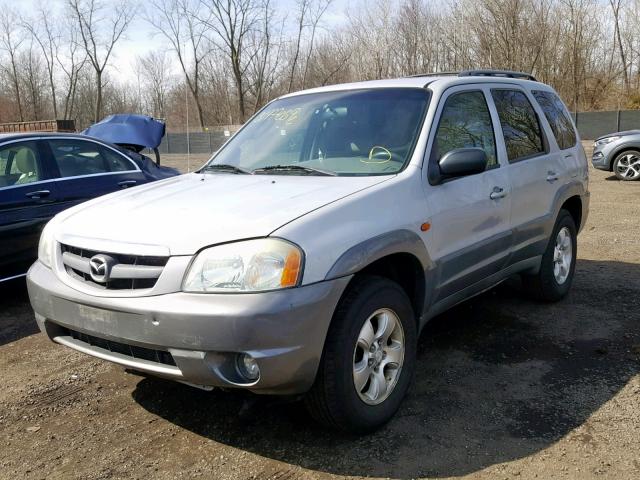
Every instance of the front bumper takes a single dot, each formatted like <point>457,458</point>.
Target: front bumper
<point>203,333</point>
<point>599,159</point>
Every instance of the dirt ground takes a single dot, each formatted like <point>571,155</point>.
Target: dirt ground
<point>505,388</point>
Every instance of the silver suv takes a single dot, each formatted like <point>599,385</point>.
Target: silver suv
<point>305,257</point>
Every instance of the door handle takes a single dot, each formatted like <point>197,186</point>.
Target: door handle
<point>497,193</point>
<point>552,176</point>
<point>127,183</point>
<point>38,194</point>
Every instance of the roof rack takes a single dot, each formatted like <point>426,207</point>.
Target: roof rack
<point>435,74</point>
<point>480,73</point>
<point>497,73</point>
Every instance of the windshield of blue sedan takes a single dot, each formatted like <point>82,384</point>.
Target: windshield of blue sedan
<point>357,132</point>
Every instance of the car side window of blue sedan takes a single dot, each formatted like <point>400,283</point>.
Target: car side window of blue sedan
<point>77,158</point>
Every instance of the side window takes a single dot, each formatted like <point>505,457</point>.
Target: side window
<point>19,164</point>
<point>78,157</point>
<point>465,122</point>
<point>520,126</point>
<point>558,118</point>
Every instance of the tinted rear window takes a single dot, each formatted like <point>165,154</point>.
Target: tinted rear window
<point>558,118</point>
<point>520,126</point>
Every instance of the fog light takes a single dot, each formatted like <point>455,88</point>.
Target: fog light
<point>248,367</point>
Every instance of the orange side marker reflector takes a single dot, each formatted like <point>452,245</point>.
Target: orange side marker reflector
<point>291,269</point>
<point>425,227</point>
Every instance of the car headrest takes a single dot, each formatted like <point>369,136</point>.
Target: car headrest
<point>25,160</point>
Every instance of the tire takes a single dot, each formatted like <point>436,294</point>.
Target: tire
<point>626,166</point>
<point>334,399</point>
<point>553,281</point>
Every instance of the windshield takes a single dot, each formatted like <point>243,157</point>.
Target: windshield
<point>357,132</point>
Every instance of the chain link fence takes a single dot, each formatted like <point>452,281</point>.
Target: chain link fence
<point>197,142</point>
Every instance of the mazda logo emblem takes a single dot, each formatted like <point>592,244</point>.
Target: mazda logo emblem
<point>100,267</point>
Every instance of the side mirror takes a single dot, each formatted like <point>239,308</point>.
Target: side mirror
<point>463,161</point>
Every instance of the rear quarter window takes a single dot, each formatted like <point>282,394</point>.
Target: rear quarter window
<point>558,118</point>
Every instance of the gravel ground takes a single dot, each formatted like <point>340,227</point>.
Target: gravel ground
<point>505,388</point>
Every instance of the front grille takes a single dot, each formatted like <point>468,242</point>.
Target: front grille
<point>136,271</point>
<point>141,353</point>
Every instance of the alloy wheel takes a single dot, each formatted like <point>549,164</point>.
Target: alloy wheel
<point>562,256</point>
<point>628,166</point>
<point>378,356</point>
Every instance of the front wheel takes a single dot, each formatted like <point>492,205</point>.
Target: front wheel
<point>626,165</point>
<point>553,280</point>
<point>368,360</point>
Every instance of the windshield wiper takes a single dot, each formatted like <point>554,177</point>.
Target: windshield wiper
<point>224,167</point>
<point>294,168</point>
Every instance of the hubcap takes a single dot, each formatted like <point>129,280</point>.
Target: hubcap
<point>378,356</point>
<point>628,166</point>
<point>562,256</point>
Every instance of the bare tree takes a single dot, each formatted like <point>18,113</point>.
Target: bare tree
<point>155,69</point>
<point>233,21</point>
<point>32,76</point>
<point>615,8</point>
<point>43,31</point>
<point>100,27</point>
<point>303,9</point>
<point>317,11</point>
<point>10,40</point>
<point>71,60</point>
<point>183,24</point>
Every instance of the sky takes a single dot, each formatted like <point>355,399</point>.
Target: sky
<point>140,37</point>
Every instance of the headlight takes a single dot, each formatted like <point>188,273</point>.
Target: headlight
<point>249,266</point>
<point>46,246</point>
<point>604,141</point>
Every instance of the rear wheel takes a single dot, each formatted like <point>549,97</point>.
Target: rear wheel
<point>626,165</point>
<point>368,360</point>
<point>553,280</point>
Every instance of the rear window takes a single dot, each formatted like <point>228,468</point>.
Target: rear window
<point>558,118</point>
<point>520,126</point>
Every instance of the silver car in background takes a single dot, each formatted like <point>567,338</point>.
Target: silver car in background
<point>306,256</point>
<point>619,153</point>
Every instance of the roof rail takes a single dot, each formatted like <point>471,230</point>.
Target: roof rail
<point>434,74</point>
<point>497,73</point>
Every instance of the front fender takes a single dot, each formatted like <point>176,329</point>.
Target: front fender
<point>365,253</point>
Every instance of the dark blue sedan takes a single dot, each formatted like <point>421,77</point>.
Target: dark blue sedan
<point>41,174</point>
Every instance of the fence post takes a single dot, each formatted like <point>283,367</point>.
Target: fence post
<point>618,121</point>
<point>168,144</point>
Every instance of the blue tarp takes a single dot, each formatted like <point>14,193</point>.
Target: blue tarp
<point>128,129</point>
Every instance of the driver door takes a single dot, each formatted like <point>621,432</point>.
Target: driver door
<point>470,218</point>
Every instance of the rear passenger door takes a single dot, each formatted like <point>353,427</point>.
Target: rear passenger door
<point>534,170</point>
<point>27,201</point>
<point>88,169</point>
<point>469,215</point>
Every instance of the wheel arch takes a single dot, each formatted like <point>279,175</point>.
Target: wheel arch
<point>573,205</point>
<point>620,150</point>
<point>400,256</point>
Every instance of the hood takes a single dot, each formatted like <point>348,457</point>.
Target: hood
<point>619,134</point>
<point>183,214</point>
<point>128,129</point>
